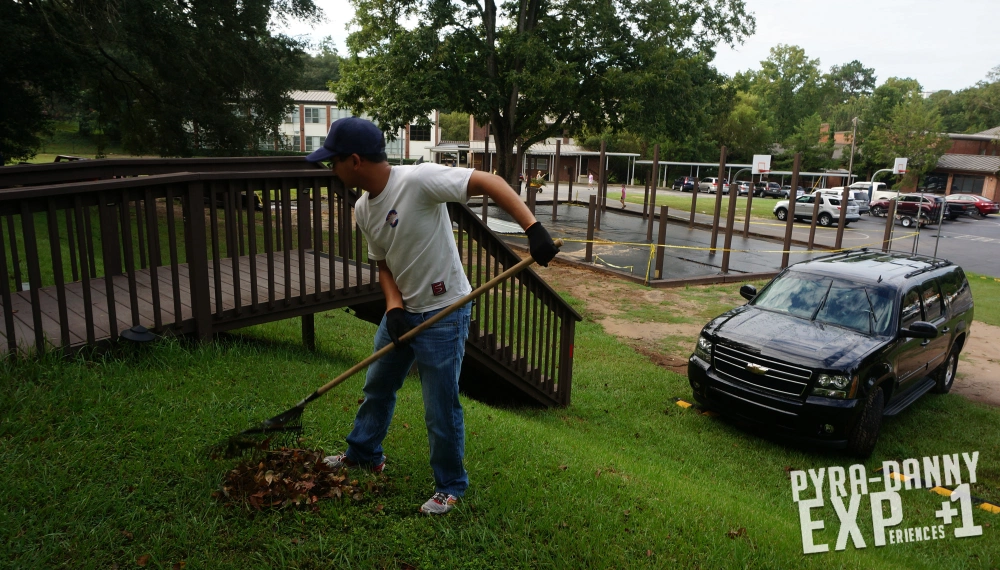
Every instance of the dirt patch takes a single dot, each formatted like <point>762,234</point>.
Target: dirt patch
<point>670,344</point>
<point>978,376</point>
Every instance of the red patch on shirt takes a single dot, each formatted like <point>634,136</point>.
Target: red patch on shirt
<point>438,288</point>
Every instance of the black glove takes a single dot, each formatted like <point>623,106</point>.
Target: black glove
<point>540,244</point>
<point>396,325</point>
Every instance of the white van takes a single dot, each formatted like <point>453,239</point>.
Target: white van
<point>858,195</point>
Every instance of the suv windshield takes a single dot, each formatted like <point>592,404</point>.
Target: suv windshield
<point>863,308</point>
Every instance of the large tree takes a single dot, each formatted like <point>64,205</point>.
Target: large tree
<point>788,85</point>
<point>913,130</point>
<point>170,75</point>
<point>538,68</point>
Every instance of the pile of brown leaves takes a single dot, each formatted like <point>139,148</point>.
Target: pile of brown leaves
<point>290,478</point>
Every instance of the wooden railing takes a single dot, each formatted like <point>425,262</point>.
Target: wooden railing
<point>107,169</point>
<point>200,253</point>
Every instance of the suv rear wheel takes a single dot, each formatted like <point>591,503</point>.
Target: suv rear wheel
<point>825,219</point>
<point>945,374</point>
<point>862,438</point>
<point>876,211</point>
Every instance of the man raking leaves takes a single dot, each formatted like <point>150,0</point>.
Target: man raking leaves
<point>404,217</point>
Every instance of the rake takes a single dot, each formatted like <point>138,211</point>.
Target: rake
<point>287,424</point>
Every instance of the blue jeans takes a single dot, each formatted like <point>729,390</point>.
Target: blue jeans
<point>438,352</point>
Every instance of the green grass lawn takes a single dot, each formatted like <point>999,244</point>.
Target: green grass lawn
<point>104,462</point>
<point>986,295</point>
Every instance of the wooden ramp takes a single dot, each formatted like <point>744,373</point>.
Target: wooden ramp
<point>165,306</point>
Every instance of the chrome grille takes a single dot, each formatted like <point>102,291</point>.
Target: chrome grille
<point>779,377</point>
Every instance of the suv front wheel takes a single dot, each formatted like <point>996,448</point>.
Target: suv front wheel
<point>781,214</point>
<point>864,435</point>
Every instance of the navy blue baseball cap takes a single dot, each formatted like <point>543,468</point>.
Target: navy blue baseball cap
<point>348,136</point>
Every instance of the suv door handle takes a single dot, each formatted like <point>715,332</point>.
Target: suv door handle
<point>945,329</point>
<point>925,342</point>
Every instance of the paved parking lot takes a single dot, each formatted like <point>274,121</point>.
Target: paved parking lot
<point>973,243</point>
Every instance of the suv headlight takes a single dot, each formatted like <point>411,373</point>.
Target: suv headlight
<point>834,386</point>
<point>703,349</point>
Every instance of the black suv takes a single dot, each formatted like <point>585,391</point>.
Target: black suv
<point>831,345</point>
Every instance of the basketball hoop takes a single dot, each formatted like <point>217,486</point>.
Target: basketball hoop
<point>761,164</point>
<point>899,166</point>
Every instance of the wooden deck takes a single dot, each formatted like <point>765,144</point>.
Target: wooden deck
<point>166,307</point>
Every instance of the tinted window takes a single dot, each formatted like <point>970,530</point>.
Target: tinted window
<point>862,308</point>
<point>833,201</point>
<point>910,312</point>
<point>804,200</point>
<point>955,290</point>
<point>932,300</point>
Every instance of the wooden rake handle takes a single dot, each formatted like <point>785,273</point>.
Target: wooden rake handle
<point>429,322</point>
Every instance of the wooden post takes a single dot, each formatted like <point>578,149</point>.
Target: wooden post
<point>730,226</point>
<point>652,192</point>
<point>661,240</point>
<point>197,258</point>
<point>600,186</point>
<point>890,219</point>
<point>591,213</point>
<point>718,200</point>
<point>841,220</point>
<point>694,201</point>
<point>309,332</point>
<point>555,182</point>
<point>812,226</point>
<point>790,220</point>
<point>746,217</point>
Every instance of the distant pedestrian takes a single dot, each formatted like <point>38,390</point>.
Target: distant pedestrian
<point>623,195</point>
<point>590,180</point>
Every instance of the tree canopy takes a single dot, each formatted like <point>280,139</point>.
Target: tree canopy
<point>535,69</point>
<point>163,75</point>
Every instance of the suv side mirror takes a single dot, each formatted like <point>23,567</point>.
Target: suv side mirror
<point>748,292</point>
<point>920,329</point>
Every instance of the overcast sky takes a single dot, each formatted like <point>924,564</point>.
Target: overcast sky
<point>944,44</point>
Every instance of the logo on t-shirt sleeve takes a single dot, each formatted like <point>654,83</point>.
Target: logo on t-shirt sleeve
<point>392,219</point>
<point>438,288</point>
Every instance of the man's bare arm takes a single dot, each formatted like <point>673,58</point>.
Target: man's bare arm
<point>500,192</point>
<point>393,298</point>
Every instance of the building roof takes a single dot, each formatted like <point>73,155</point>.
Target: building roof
<point>994,132</point>
<point>537,148</point>
<point>314,96</point>
<point>970,163</point>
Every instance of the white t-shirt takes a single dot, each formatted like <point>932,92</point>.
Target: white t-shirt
<point>407,225</point>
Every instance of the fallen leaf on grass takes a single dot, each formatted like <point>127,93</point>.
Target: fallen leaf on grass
<point>179,565</point>
<point>143,560</point>
<point>737,532</point>
<point>649,553</point>
<point>127,535</point>
<point>564,467</point>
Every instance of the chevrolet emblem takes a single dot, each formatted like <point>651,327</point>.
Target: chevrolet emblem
<point>757,369</point>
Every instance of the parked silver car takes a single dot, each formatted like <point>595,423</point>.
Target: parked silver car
<point>829,210</point>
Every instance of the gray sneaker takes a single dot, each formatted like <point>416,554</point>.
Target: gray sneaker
<point>342,461</point>
<point>439,504</point>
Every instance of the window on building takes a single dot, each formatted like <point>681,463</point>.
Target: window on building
<point>935,182</point>
<point>420,132</point>
<point>296,142</point>
<point>313,143</point>
<point>315,115</point>
<point>293,117</point>
<point>965,184</point>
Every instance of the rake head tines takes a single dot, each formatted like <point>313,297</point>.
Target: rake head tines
<point>272,433</point>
